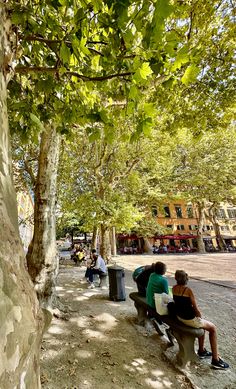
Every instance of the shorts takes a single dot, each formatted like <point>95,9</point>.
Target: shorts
<point>196,322</point>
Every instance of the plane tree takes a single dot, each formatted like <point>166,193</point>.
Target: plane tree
<point>204,173</point>
<point>82,48</point>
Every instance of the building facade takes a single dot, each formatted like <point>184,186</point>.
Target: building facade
<point>181,220</point>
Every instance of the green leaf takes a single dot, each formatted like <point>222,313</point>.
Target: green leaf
<point>94,134</point>
<point>36,121</point>
<point>145,70</point>
<point>147,126</point>
<point>130,107</point>
<point>181,58</point>
<point>149,109</point>
<point>95,63</point>
<point>18,17</point>
<point>65,53</point>
<point>133,93</point>
<point>190,74</point>
<point>103,116</point>
<point>163,9</point>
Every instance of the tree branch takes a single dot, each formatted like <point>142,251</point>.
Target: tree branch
<point>50,42</point>
<point>45,69</point>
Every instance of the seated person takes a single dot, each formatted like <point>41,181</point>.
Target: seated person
<point>157,283</point>
<point>141,276</point>
<point>98,267</point>
<point>189,314</point>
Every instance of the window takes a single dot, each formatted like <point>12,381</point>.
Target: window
<point>154,211</point>
<point>178,211</point>
<point>231,213</point>
<point>224,228</point>
<point>193,227</point>
<point>167,211</point>
<point>180,227</point>
<point>169,226</point>
<point>190,211</point>
<point>221,213</point>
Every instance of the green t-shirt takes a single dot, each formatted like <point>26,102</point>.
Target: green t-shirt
<point>156,284</point>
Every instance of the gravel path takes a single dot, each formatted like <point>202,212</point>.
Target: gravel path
<point>102,347</point>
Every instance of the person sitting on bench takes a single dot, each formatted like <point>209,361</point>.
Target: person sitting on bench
<point>188,313</point>
<point>99,268</point>
<point>157,283</point>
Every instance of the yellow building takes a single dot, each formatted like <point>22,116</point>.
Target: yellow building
<point>181,220</point>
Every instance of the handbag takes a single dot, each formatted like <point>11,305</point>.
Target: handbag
<point>161,302</point>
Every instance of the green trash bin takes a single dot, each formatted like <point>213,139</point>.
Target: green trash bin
<point>116,276</point>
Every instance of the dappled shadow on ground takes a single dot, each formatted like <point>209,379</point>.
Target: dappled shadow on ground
<point>100,346</point>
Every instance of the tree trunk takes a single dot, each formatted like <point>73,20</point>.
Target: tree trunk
<point>200,241</point>
<point>147,246</point>
<point>21,319</point>
<point>105,247</point>
<point>94,238</point>
<point>212,217</point>
<point>113,241</point>
<point>42,258</point>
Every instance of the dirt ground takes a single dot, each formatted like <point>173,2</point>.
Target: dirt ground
<point>102,347</point>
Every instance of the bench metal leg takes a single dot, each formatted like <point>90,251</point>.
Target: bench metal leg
<point>186,348</point>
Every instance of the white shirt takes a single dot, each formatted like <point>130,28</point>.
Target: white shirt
<point>100,264</point>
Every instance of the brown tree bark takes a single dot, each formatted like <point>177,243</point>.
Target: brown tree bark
<point>105,247</point>
<point>113,241</point>
<point>94,238</point>
<point>21,320</point>
<point>42,258</point>
<point>213,218</point>
<point>200,242</point>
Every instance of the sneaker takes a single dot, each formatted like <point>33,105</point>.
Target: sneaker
<point>219,364</point>
<point>91,286</point>
<point>204,354</point>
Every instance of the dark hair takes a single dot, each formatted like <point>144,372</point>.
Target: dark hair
<point>94,251</point>
<point>181,277</point>
<point>160,268</point>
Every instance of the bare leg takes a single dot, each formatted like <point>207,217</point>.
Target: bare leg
<point>211,328</point>
<point>201,343</point>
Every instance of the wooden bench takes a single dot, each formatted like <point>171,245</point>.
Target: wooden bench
<point>184,335</point>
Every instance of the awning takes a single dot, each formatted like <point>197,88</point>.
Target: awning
<point>127,236</point>
<point>176,237</point>
<point>228,237</point>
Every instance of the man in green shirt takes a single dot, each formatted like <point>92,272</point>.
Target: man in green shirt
<point>157,283</point>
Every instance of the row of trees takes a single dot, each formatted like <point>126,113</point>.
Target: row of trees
<point>116,185</point>
<point>110,82</point>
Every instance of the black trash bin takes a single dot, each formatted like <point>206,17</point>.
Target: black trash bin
<point>116,276</point>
